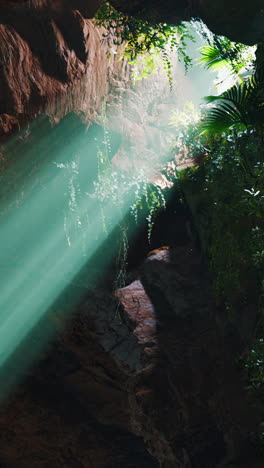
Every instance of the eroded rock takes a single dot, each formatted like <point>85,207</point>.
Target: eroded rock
<point>53,65</point>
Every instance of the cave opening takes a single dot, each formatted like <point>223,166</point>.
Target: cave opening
<point>132,236</point>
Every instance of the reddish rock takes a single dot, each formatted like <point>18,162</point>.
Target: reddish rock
<point>53,65</point>
<point>8,124</point>
<point>141,317</point>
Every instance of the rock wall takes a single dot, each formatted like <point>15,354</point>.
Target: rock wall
<point>52,64</point>
<point>151,382</point>
<point>240,21</point>
<point>52,60</point>
<point>145,382</point>
<point>56,64</point>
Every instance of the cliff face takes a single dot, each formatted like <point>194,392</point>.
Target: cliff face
<point>240,21</point>
<point>52,60</point>
<point>86,8</point>
<point>52,64</point>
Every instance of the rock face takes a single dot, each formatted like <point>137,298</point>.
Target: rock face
<point>237,20</point>
<point>73,409</point>
<point>52,60</point>
<point>186,367</point>
<point>55,64</point>
<point>86,8</point>
<point>148,383</point>
<point>52,64</point>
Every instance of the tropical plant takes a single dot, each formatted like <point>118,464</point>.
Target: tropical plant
<point>221,51</point>
<point>239,108</point>
<point>211,57</point>
<point>215,57</point>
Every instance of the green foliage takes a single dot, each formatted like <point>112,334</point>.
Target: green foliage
<point>188,141</point>
<point>144,37</point>
<point>211,57</point>
<point>126,191</point>
<point>240,108</point>
<point>135,199</point>
<point>222,52</point>
<point>122,189</point>
<point>237,55</point>
<point>121,261</point>
<point>146,65</point>
<point>226,197</point>
<point>254,364</point>
<point>75,223</point>
<point>229,210</point>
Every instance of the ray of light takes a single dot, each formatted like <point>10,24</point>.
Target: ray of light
<point>32,238</point>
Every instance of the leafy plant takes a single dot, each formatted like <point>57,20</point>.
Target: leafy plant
<point>240,108</point>
<point>188,141</point>
<point>128,192</point>
<point>211,57</point>
<point>227,202</point>
<point>214,57</point>
<point>222,52</point>
<point>254,363</point>
<point>141,37</point>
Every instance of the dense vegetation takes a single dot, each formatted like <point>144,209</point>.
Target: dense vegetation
<point>226,198</point>
<point>225,191</point>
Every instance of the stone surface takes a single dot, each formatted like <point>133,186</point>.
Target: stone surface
<point>52,59</point>
<point>152,375</point>
<point>53,65</point>
<point>240,21</point>
<point>188,367</point>
<point>237,20</point>
<point>72,410</point>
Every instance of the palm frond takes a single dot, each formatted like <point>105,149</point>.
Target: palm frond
<point>238,107</point>
<point>221,119</point>
<point>211,57</point>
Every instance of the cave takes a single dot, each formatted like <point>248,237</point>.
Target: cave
<point>132,235</point>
